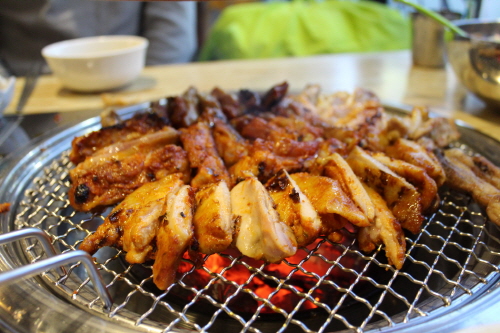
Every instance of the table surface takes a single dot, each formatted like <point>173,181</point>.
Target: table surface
<point>390,75</point>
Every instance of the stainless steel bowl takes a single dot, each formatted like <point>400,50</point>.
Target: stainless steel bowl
<point>476,58</point>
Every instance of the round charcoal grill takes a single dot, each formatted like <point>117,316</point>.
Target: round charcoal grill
<point>451,267</point>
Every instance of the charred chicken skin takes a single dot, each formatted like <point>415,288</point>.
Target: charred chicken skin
<point>133,128</point>
<point>266,174</point>
<point>133,224</point>
<point>115,171</point>
<point>174,235</point>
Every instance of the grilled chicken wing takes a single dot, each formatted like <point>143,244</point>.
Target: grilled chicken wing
<point>417,177</point>
<point>133,128</point>
<point>329,201</point>
<point>213,224</point>
<point>386,229</point>
<point>412,152</point>
<point>132,225</point>
<point>202,154</point>
<point>402,197</point>
<point>117,170</point>
<point>337,168</point>
<point>462,178</point>
<point>174,236</point>
<point>294,208</point>
<point>259,233</point>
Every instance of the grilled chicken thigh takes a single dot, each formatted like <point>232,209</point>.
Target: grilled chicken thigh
<point>294,208</point>
<point>115,171</point>
<point>132,225</point>
<point>401,196</point>
<point>203,157</point>
<point>481,167</point>
<point>461,177</point>
<point>183,110</point>
<point>330,202</point>
<point>174,236</point>
<point>259,233</point>
<point>414,153</point>
<point>229,143</point>
<point>262,163</point>
<point>385,230</point>
<point>337,168</point>
<point>417,177</point>
<point>130,129</point>
<point>213,223</point>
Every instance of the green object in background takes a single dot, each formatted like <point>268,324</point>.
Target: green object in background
<point>301,28</point>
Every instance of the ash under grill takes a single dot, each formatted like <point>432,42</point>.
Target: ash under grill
<point>327,287</point>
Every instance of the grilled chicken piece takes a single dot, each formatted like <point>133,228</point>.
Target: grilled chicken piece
<point>417,177</point>
<point>202,154</point>
<point>481,166</point>
<point>262,163</point>
<point>253,128</point>
<point>108,177</point>
<point>230,145</point>
<point>418,125</point>
<point>132,225</point>
<point>401,196</point>
<point>301,128</point>
<point>412,152</point>
<point>174,236</point>
<point>289,138</point>
<point>486,170</point>
<point>274,96</point>
<point>259,233</point>
<point>385,230</point>
<point>330,202</point>
<point>349,110</point>
<point>459,176</point>
<point>133,128</point>
<point>183,110</point>
<point>337,168</point>
<point>213,224</point>
<point>229,103</point>
<point>294,208</point>
<point>210,109</point>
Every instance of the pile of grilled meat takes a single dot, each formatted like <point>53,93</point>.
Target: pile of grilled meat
<point>266,174</point>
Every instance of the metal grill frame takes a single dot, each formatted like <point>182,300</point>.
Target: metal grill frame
<point>458,217</point>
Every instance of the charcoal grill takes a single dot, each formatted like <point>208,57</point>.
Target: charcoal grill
<point>450,271</point>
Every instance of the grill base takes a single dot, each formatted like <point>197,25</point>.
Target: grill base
<point>452,263</point>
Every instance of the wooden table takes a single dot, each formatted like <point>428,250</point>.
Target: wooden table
<point>389,74</point>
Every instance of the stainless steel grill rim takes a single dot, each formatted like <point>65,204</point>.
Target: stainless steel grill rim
<point>449,264</point>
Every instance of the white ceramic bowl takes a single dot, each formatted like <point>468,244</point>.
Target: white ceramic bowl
<point>99,63</point>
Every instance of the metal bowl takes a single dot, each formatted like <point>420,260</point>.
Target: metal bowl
<point>476,58</point>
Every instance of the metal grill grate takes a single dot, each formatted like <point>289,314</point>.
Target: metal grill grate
<point>329,287</point>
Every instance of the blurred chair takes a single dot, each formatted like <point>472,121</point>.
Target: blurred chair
<point>300,28</point>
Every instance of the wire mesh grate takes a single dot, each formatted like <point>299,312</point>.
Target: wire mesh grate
<point>326,287</point>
